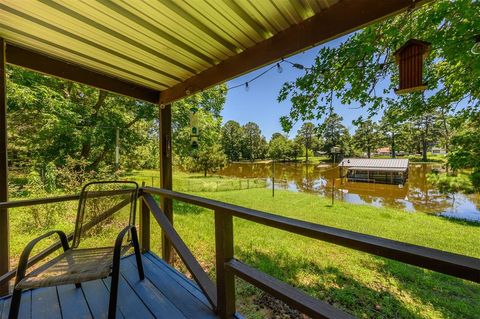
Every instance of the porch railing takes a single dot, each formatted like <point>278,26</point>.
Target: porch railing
<point>227,267</point>
<point>222,294</point>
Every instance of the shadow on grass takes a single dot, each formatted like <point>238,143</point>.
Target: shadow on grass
<point>453,297</point>
<point>182,208</point>
<point>329,284</point>
<point>459,221</point>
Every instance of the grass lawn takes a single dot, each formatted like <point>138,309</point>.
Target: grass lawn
<point>362,284</point>
<point>188,182</point>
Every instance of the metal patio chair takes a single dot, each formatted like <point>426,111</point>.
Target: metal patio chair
<point>97,205</point>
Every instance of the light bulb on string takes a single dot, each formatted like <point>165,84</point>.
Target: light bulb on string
<point>476,47</point>
<point>247,88</point>
<point>279,68</point>
<point>298,66</point>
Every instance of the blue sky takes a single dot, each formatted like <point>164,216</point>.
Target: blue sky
<point>259,104</point>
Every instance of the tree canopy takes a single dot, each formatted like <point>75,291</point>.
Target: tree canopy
<point>353,71</point>
<point>51,120</point>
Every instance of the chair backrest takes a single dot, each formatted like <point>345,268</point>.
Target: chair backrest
<point>99,201</point>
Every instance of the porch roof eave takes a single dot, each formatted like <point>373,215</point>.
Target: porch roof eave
<point>138,56</point>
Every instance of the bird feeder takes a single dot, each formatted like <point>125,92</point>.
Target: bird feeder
<point>410,58</point>
<point>194,131</point>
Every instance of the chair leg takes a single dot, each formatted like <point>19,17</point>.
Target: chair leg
<point>112,307</point>
<point>15,304</point>
<point>138,255</point>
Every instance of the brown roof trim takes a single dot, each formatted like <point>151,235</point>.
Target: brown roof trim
<point>49,65</point>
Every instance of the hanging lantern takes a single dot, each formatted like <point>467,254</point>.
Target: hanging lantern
<point>410,59</point>
<point>194,132</point>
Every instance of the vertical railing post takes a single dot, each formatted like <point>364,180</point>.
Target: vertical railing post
<point>165,147</point>
<point>4,228</point>
<point>144,225</point>
<point>224,253</point>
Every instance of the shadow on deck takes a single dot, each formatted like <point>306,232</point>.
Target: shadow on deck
<point>165,293</point>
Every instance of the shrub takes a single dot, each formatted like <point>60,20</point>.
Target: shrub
<point>451,184</point>
<point>475,179</point>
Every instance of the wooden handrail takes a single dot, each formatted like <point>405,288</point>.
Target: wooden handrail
<point>456,265</point>
<point>38,201</point>
<point>205,283</point>
<point>59,199</point>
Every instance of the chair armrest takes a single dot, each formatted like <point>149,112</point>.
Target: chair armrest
<point>118,243</point>
<point>23,262</point>
<point>121,235</point>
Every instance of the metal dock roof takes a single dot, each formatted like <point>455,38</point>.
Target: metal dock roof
<point>384,164</point>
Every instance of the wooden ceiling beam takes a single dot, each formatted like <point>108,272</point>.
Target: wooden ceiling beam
<point>48,65</point>
<point>342,18</point>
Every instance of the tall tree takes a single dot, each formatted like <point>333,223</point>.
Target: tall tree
<point>232,134</point>
<point>254,144</point>
<point>308,135</point>
<point>209,158</point>
<point>367,137</point>
<point>335,134</point>
<point>390,127</point>
<point>278,147</point>
<point>296,147</point>
<point>209,104</point>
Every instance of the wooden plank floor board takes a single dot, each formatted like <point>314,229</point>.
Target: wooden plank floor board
<point>97,297</point>
<point>5,307</point>
<point>25,306</point>
<point>151,297</point>
<point>45,304</point>
<point>128,301</point>
<point>188,284</point>
<point>72,298</point>
<point>2,301</point>
<point>190,306</point>
<point>164,294</point>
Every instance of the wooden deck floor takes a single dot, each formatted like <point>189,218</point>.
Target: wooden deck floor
<point>165,293</point>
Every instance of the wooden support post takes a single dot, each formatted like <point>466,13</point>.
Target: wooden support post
<point>4,228</point>
<point>165,147</point>
<point>224,253</point>
<point>144,225</point>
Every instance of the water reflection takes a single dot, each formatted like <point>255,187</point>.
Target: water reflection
<point>415,195</point>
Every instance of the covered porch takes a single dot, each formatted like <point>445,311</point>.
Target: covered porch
<point>161,63</point>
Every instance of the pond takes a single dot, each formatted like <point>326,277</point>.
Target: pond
<point>416,195</point>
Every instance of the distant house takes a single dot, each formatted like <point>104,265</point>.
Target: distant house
<point>438,151</point>
<point>385,171</point>
<point>383,151</point>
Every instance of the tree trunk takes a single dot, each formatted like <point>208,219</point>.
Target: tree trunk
<point>424,149</point>
<point>393,146</point>
<point>369,152</point>
<point>306,154</point>
<point>205,173</point>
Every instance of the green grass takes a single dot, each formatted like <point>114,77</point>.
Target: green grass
<point>362,284</point>
<point>188,182</point>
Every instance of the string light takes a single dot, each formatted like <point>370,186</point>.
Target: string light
<point>380,66</point>
<point>298,66</point>
<point>279,68</point>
